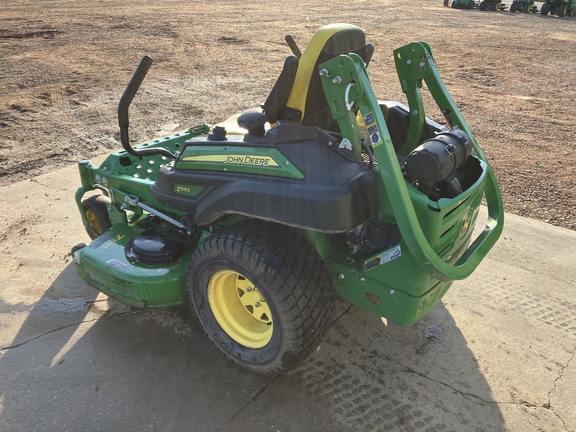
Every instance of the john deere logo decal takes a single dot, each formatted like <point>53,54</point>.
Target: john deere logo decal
<point>250,160</point>
<point>265,161</point>
<point>466,223</point>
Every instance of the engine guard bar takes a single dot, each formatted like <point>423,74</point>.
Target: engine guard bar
<point>337,74</point>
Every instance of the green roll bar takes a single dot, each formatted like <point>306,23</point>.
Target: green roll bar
<point>346,83</point>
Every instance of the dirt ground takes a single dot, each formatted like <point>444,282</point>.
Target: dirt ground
<point>65,63</point>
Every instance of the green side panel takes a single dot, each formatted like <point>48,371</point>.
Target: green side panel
<point>249,160</point>
<point>391,282</point>
<point>103,264</point>
<point>379,298</point>
<point>395,287</point>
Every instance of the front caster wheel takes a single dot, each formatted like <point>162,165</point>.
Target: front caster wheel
<point>95,209</point>
<point>262,295</point>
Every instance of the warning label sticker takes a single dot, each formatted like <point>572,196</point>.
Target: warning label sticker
<point>383,258</point>
<point>372,128</point>
<point>117,264</point>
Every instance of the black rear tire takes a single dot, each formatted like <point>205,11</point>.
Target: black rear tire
<point>513,7</point>
<point>95,209</point>
<point>526,7</point>
<point>545,9</point>
<point>482,6</point>
<point>289,276</point>
<point>561,10</point>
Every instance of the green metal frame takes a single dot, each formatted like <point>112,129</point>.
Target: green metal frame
<point>405,287</point>
<point>415,65</point>
<point>401,283</point>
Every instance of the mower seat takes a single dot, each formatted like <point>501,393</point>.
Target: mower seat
<point>306,102</point>
<point>297,95</point>
<point>275,105</point>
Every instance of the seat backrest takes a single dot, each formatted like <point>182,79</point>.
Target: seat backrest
<point>306,101</point>
<point>275,105</point>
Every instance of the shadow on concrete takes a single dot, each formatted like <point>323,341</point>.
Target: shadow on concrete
<point>80,363</point>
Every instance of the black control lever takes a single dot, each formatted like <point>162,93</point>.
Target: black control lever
<point>123,106</point>
<point>292,44</point>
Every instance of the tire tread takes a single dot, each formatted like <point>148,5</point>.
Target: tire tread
<point>297,275</point>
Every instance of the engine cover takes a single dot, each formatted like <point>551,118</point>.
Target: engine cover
<point>292,175</point>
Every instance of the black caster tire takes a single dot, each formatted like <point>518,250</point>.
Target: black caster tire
<point>96,211</point>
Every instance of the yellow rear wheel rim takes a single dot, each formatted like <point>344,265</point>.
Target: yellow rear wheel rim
<point>94,222</point>
<point>240,309</point>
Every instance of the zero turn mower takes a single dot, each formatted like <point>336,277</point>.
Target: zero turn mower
<point>523,6</point>
<point>325,191</point>
<point>558,7</point>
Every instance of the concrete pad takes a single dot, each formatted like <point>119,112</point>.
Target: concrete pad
<point>497,354</point>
